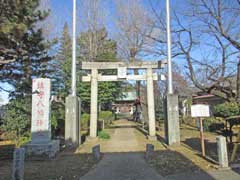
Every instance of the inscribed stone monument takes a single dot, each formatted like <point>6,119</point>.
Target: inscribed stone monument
<point>41,127</point>
<point>41,143</point>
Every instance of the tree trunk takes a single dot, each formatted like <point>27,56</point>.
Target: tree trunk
<point>238,81</point>
<point>138,83</point>
<point>133,53</point>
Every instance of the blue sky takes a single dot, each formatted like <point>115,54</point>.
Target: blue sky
<point>61,12</point>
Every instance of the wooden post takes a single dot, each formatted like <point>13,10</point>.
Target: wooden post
<point>103,124</point>
<point>235,148</point>
<point>202,137</point>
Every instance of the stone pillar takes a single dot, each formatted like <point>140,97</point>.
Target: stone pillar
<point>41,143</point>
<point>222,151</point>
<point>18,164</point>
<point>96,152</point>
<point>94,99</point>
<point>41,105</point>
<point>149,151</point>
<point>72,121</point>
<point>150,102</point>
<point>172,131</point>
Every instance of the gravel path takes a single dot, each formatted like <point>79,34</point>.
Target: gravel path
<point>122,166</point>
<point>126,163</point>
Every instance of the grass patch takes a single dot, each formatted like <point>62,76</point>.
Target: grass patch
<point>103,135</point>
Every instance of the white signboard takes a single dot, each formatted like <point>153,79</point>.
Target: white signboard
<point>40,126</point>
<point>163,77</point>
<point>200,110</point>
<point>122,72</point>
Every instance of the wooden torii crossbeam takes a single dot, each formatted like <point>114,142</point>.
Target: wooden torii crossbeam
<point>122,67</point>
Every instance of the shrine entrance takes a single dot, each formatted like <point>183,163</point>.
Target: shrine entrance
<point>122,75</point>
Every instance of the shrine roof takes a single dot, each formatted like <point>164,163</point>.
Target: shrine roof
<point>127,96</point>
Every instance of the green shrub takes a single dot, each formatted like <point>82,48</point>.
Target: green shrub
<point>227,109</point>
<point>57,117</point>
<point>23,140</point>
<point>103,135</point>
<point>7,135</point>
<point>213,124</point>
<point>85,118</point>
<point>188,120</point>
<point>16,119</point>
<point>18,141</point>
<point>107,116</point>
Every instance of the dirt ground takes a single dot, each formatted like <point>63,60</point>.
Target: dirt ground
<point>190,139</point>
<point>67,165</point>
<point>187,156</point>
<point>167,161</point>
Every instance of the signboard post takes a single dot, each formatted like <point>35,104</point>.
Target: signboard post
<point>200,111</point>
<point>202,137</point>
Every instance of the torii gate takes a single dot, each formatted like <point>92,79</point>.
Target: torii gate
<point>122,67</point>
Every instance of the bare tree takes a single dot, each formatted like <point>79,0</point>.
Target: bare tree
<point>208,39</point>
<point>134,25</point>
<point>92,18</point>
<point>218,21</point>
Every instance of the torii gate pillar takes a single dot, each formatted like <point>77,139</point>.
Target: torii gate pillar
<point>151,109</point>
<point>94,109</point>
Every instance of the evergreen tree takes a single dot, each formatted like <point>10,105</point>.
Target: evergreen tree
<point>64,58</point>
<point>17,18</point>
<point>23,45</point>
<point>16,119</point>
<point>101,51</point>
<point>23,56</point>
<point>108,91</point>
<point>62,80</point>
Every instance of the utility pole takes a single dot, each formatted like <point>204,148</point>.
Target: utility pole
<point>73,103</point>
<point>238,80</point>
<point>169,53</point>
<point>172,129</point>
<point>74,49</point>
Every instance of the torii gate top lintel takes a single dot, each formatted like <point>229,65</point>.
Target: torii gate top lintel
<point>95,66</point>
<point>128,65</point>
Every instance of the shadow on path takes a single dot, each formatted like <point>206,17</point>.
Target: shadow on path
<point>122,166</point>
<point>123,159</point>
